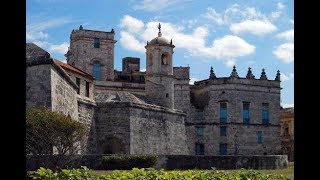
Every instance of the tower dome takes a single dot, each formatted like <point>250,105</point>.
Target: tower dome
<point>160,40</point>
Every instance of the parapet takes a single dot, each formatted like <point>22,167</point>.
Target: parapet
<point>86,33</point>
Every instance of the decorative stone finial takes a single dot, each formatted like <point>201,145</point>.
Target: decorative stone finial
<point>112,30</point>
<point>80,28</point>
<point>278,76</point>
<point>212,75</point>
<point>159,27</point>
<point>249,74</point>
<point>234,72</point>
<point>263,75</point>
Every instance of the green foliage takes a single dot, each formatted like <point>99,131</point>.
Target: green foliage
<point>129,161</point>
<point>151,174</point>
<point>46,129</point>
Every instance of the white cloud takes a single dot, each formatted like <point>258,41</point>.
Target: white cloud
<point>133,25</point>
<point>285,52</point>
<point>291,21</point>
<point>287,35</point>
<point>128,41</point>
<point>280,6</point>
<point>46,24</point>
<point>154,5</point>
<point>192,80</point>
<point>284,105</point>
<point>213,15</point>
<point>32,35</point>
<point>59,48</point>
<point>255,27</point>
<point>224,48</point>
<point>143,70</point>
<point>230,63</point>
<point>284,77</point>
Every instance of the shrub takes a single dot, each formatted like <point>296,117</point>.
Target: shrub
<point>127,162</point>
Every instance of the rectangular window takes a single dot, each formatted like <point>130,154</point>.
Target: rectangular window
<point>259,137</point>
<point>96,43</point>
<point>87,88</point>
<point>199,149</point>
<point>265,113</point>
<point>223,131</point>
<point>96,71</point>
<point>223,149</point>
<point>200,131</point>
<point>223,112</point>
<point>246,112</point>
<point>78,83</point>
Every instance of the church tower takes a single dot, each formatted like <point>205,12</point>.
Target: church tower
<point>92,52</point>
<point>159,79</point>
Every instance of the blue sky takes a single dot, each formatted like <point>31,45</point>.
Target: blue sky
<point>251,33</point>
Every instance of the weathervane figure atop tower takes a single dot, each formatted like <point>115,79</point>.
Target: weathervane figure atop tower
<point>159,27</point>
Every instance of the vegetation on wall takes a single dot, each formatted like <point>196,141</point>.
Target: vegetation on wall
<point>129,161</point>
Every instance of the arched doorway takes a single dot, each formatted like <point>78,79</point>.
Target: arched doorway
<point>113,145</point>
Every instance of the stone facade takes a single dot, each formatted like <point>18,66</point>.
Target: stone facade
<point>83,54</point>
<point>160,113</point>
<point>287,132</point>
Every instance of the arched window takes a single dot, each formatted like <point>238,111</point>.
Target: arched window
<point>164,59</point>
<point>96,71</point>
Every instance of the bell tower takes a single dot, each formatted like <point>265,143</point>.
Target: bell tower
<point>159,84</point>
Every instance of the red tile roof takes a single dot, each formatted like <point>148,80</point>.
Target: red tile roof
<point>68,67</point>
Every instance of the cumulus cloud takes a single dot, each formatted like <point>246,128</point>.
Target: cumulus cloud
<point>285,52</point>
<point>213,15</point>
<point>59,48</point>
<point>133,25</point>
<point>255,27</point>
<point>230,63</point>
<point>154,5</point>
<point>223,48</point>
<point>128,41</point>
<point>278,12</point>
<point>287,35</point>
<point>284,77</point>
<point>32,35</point>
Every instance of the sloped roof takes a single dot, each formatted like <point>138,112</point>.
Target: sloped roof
<point>68,67</point>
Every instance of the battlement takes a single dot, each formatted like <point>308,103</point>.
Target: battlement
<point>235,79</point>
<point>91,34</point>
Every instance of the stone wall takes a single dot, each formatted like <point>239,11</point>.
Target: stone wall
<point>112,122</point>
<point>168,162</point>
<point>241,139</point>
<point>38,86</point>
<point>155,131</point>
<point>64,95</point>
<point>86,113</point>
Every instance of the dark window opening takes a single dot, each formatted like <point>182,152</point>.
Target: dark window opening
<point>223,149</point>
<point>200,131</point>
<point>199,149</point>
<point>264,153</point>
<point>265,113</point>
<point>164,59</point>
<point>246,113</point>
<point>223,131</point>
<point>96,71</point>
<point>78,83</point>
<point>286,131</point>
<point>259,137</point>
<point>223,112</point>
<point>87,88</point>
<point>167,95</point>
<point>96,43</point>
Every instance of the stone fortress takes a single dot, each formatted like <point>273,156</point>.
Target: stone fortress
<point>156,111</point>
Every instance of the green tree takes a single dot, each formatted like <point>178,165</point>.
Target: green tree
<point>46,129</point>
